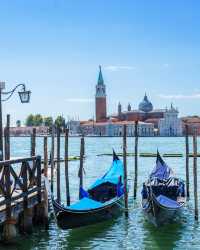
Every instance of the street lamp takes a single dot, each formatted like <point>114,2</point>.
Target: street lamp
<point>24,96</point>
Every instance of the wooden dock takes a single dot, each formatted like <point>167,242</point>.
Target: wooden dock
<point>22,195</point>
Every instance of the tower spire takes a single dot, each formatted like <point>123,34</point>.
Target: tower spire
<point>100,98</point>
<point>100,78</point>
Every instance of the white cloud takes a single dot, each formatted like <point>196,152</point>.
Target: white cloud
<point>117,68</point>
<point>80,100</point>
<point>180,96</point>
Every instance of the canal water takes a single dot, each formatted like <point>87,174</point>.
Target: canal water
<point>132,233</point>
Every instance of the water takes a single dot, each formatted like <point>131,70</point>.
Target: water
<point>134,233</point>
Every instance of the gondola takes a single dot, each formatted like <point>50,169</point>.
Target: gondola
<point>163,195</point>
<point>102,201</point>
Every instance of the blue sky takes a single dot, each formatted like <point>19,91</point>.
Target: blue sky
<point>55,47</point>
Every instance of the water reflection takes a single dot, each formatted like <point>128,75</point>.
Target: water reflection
<point>85,237</point>
<point>164,237</point>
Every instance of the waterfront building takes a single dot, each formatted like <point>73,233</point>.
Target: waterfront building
<point>27,131</point>
<point>74,127</point>
<point>115,128</point>
<point>170,125</point>
<point>193,123</point>
<point>144,112</point>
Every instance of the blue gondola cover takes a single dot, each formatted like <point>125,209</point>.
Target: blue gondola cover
<point>83,193</point>
<point>112,176</point>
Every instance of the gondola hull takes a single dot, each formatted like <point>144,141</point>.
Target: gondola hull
<point>159,215</point>
<point>67,218</point>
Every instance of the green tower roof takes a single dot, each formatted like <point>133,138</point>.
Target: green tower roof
<point>100,78</point>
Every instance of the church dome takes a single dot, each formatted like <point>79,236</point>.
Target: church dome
<point>145,105</point>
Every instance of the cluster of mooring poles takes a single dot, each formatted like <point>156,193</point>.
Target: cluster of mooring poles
<point>58,160</point>
<point>66,162</point>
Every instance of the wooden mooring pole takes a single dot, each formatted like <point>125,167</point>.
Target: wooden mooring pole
<point>136,161</point>
<point>52,155</point>
<point>58,165</point>
<point>187,150</point>
<point>66,166</point>
<point>45,202</point>
<point>33,142</point>
<point>196,212</point>
<point>46,156</point>
<point>80,173</point>
<point>125,170</point>
<point>7,138</point>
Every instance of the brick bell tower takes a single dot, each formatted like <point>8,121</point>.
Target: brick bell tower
<point>100,98</point>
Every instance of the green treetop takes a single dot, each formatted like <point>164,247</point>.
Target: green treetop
<point>48,121</point>
<point>60,121</point>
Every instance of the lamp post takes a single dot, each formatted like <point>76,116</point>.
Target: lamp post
<point>24,96</point>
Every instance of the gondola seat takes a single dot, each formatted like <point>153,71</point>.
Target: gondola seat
<point>166,202</point>
<point>85,204</point>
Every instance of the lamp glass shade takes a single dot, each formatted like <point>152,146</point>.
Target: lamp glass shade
<point>24,96</point>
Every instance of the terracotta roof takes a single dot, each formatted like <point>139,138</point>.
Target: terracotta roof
<point>191,119</point>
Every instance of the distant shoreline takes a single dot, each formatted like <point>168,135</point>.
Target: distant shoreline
<point>103,136</point>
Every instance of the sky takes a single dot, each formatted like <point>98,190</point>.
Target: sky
<point>55,48</point>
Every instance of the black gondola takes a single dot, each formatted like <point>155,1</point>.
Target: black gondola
<point>102,201</point>
<point>163,195</point>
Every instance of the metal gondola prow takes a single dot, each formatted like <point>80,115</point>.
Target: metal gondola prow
<point>159,158</point>
<point>115,156</point>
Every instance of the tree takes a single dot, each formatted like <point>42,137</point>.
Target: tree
<point>48,121</point>
<point>34,120</point>
<point>30,120</point>
<point>38,120</point>
<point>18,123</point>
<point>60,122</point>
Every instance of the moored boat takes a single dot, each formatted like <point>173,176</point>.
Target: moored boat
<point>163,195</point>
<point>102,201</point>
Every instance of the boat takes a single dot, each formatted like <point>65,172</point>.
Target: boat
<point>102,201</point>
<point>163,195</point>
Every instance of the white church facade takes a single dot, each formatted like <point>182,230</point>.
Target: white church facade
<point>170,125</point>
